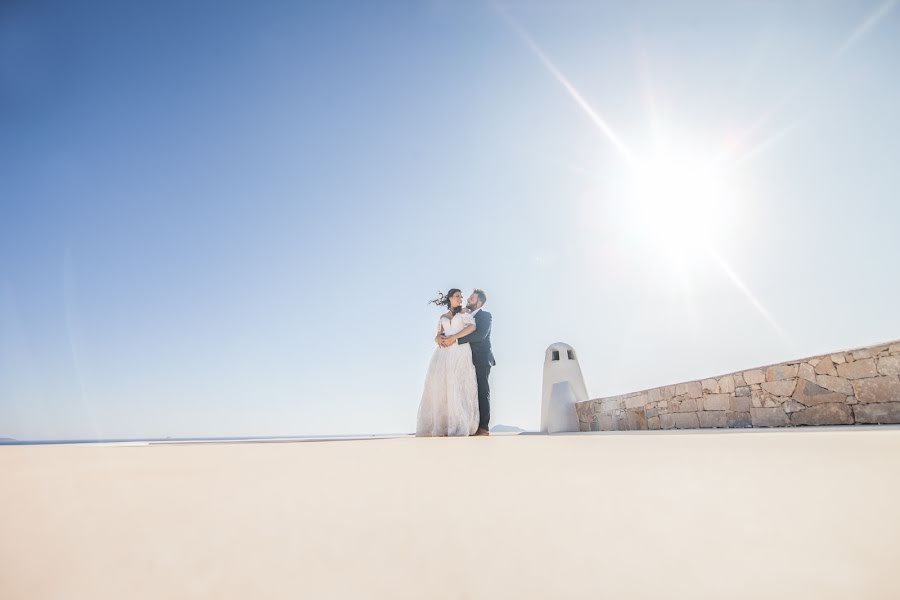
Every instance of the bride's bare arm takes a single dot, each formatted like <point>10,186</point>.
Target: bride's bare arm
<point>440,333</point>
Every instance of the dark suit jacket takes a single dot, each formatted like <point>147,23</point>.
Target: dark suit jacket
<point>480,340</point>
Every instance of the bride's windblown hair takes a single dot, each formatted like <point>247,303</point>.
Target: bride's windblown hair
<point>444,300</point>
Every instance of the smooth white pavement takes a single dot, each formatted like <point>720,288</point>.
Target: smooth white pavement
<point>738,514</point>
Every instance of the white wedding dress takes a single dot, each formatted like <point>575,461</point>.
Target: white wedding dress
<point>450,399</point>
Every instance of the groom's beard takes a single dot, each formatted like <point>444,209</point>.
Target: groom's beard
<point>471,306</point>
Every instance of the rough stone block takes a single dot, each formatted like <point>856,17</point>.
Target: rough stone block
<point>667,392</point>
<point>894,349</point>
<point>710,386</point>
<point>743,390</point>
<point>754,376</point>
<point>653,423</point>
<point>882,412</point>
<point>741,405</point>
<point>763,399</point>
<point>667,421</point>
<point>636,401</point>
<point>758,399</point>
<point>780,388</point>
<point>769,417</point>
<point>878,389</point>
<point>779,372</point>
<point>811,394</point>
<point>738,420</point>
<point>859,369</point>
<point>607,423</point>
<point>687,421</point>
<point>715,402</point>
<point>738,379</point>
<point>581,412</point>
<point>792,406</point>
<point>807,372</point>
<point>838,358</point>
<point>835,384</point>
<point>653,395</point>
<point>635,420</point>
<point>863,353</point>
<point>824,414</point>
<point>889,365</point>
<point>687,405</point>
<point>594,425</point>
<point>726,384</point>
<point>695,390</point>
<point>651,412</point>
<point>712,418</point>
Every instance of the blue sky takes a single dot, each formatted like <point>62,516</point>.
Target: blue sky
<point>227,219</point>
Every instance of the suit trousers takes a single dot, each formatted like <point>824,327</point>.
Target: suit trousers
<point>482,371</point>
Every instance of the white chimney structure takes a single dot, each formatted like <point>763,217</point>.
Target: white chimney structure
<point>563,387</point>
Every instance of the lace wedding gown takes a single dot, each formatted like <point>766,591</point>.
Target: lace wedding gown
<point>450,399</point>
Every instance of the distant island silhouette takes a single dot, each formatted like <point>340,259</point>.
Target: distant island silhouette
<point>506,429</point>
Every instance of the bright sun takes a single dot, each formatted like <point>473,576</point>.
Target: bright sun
<point>674,196</point>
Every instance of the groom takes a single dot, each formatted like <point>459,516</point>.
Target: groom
<point>482,356</point>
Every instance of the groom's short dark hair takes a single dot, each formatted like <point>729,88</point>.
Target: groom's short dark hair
<point>481,295</point>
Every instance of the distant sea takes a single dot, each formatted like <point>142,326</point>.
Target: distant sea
<point>270,438</point>
<point>274,438</point>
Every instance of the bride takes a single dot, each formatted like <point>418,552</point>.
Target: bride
<point>450,401</point>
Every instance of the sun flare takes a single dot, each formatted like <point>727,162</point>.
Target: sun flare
<point>674,200</point>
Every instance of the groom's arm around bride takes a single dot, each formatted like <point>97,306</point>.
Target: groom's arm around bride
<point>481,335</point>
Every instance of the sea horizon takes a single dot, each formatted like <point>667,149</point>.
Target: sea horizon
<point>14,442</point>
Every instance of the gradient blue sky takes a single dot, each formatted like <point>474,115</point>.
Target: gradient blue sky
<point>226,218</point>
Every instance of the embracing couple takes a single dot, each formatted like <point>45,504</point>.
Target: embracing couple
<point>457,397</point>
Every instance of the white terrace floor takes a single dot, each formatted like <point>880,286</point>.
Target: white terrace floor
<point>737,514</point>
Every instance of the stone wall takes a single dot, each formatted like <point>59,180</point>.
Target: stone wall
<point>845,388</point>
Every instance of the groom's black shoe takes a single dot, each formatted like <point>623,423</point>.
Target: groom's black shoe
<point>481,432</point>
